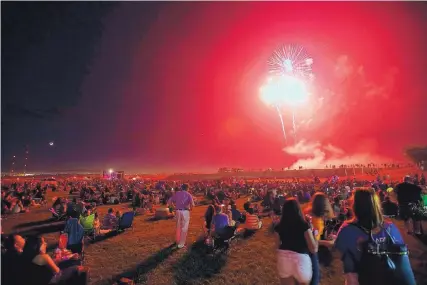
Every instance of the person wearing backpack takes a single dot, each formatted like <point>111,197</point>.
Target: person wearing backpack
<point>373,251</point>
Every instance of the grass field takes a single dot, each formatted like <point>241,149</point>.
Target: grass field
<point>145,253</point>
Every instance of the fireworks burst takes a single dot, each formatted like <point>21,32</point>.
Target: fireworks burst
<point>291,60</point>
<point>291,70</point>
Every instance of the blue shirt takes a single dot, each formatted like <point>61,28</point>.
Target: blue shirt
<point>349,236</point>
<point>220,221</point>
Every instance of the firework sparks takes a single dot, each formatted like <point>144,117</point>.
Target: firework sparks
<point>290,67</point>
<point>291,60</point>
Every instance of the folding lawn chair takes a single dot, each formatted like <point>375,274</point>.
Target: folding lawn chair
<point>126,221</point>
<point>88,227</point>
<point>75,236</point>
<point>221,242</point>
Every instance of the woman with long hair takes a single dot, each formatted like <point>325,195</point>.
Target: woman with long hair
<point>367,225</point>
<point>320,210</point>
<point>41,269</point>
<point>295,243</point>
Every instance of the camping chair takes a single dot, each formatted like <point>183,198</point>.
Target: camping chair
<point>75,237</point>
<point>126,221</point>
<point>221,241</point>
<point>87,224</point>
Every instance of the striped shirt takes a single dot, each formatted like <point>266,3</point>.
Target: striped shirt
<point>252,222</point>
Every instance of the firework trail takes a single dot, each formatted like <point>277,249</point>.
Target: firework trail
<point>281,121</point>
<point>294,63</point>
<point>291,69</point>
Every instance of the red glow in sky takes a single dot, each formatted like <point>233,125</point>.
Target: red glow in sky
<point>184,93</point>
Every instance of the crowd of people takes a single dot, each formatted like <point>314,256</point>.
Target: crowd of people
<point>308,216</point>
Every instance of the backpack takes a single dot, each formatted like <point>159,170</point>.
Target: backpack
<point>383,263</point>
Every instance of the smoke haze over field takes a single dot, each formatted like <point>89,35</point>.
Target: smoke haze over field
<point>314,155</point>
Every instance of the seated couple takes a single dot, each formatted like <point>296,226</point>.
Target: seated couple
<point>222,224</point>
<point>110,222</point>
<point>91,222</point>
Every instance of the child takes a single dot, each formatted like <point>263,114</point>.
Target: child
<point>118,215</point>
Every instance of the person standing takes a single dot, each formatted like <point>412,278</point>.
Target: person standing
<point>183,202</point>
<point>408,193</point>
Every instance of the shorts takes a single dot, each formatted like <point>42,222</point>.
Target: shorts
<point>293,264</point>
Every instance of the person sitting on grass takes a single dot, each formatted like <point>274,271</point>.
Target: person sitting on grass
<point>118,216</point>
<point>209,214</point>
<point>6,204</point>
<point>222,224</point>
<point>11,264</point>
<point>253,222</point>
<point>18,207</point>
<point>90,221</point>
<point>227,208</point>
<point>59,208</point>
<point>72,208</point>
<point>110,221</point>
<point>41,269</point>
<point>236,215</point>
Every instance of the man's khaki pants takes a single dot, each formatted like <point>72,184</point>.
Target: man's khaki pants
<point>182,222</point>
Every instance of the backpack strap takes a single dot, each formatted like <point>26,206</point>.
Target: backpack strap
<point>390,237</point>
<point>368,232</point>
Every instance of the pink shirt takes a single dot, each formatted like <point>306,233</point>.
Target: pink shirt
<point>182,200</point>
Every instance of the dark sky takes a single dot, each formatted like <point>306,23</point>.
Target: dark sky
<point>175,86</point>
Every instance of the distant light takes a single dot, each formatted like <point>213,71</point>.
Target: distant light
<point>111,171</point>
<point>51,143</point>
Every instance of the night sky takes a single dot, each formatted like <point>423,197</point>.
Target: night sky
<point>153,87</point>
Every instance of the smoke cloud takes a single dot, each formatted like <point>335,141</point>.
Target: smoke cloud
<point>315,155</point>
<point>346,70</point>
